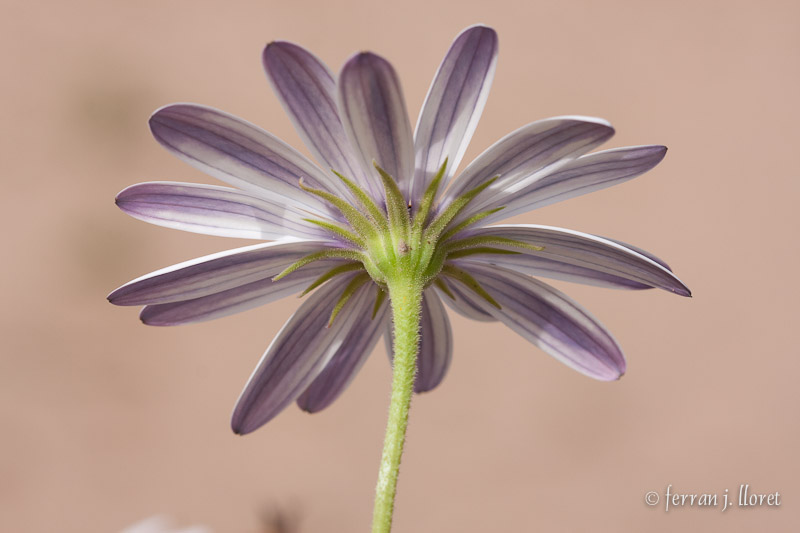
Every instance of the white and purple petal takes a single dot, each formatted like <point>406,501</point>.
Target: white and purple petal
<point>240,154</point>
<point>214,210</point>
<point>578,257</point>
<point>550,320</point>
<point>435,343</point>
<point>307,89</point>
<point>356,345</point>
<point>298,354</point>
<point>645,253</point>
<point>213,273</point>
<point>374,114</point>
<point>453,105</point>
<point>583,175</point>
<point>234,300</point>
<point>526,154</point>
<point>462,305</point>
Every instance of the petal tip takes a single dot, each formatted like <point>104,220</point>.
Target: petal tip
<point>617,373</point>
<point>678,287</point>
<point>112,297</point>
<point>609,372</point>
<point>123,194</point>
<point>683,290</point>
<point>479,28</point>
<point>366,60</point>
<point>238,429</point>
<point>276,47</point>
<point>166,111</point>
<point>615,367</point>
<point>306,406</point>
<point>659,151</point>
<point>238,421</point>
<point>243,421</point>
<point>150,318</point>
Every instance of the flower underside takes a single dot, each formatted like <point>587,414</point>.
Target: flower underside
<point>401,242</point>
<point>401,229</point>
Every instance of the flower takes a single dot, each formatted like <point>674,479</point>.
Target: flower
<point>385,209</point>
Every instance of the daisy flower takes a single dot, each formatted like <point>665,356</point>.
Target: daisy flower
<point>381,235</point>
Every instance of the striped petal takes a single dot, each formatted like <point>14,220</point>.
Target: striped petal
<point>579,257</point>
<point>233,300</point>
<point>638,250</point>
<point>355,347</point>
<point>307,90</point>
<point>301,350</point>
<point>213,210</point>
<point>550,320</point>
<point>240,154</point>
<point>527,154</point>
<point>435,343</point>
<point>454,105</point>
<point>586,174</point>
<point>213,273</point>
<point>375,118</point>
<point>461,304</point>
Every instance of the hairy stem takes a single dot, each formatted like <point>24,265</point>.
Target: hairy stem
<point>406,301</point>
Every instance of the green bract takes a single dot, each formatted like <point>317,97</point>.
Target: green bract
<point>393,246</point>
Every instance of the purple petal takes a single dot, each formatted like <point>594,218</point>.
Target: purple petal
<point>356,345</point>
<point>461,304</point>
<point>213,273</point>
<point>454,105</point>
<point>640,251</point>
<point>234,300</point>
<point>213,210</point>
<point>298,354</point>
<point>586,174</point>
<point>241,154</point>
<point>550,320</point>
<point>375,117</point>
<point>579,257</point>
<point>435,343</point>
<point>307,90</point>
<point>527,154</point>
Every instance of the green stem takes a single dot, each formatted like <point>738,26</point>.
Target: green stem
<point>406,301</point>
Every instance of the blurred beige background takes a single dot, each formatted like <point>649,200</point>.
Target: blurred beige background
<point>106,421</point>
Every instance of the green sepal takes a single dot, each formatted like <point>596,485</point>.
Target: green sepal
<point>395,203</point>
<point>376,213</point>
<point>440,283</point>
<point>469,282</point>
<point>484,240</point>
<point>330,253</point>
<point>468,222</point>
<point>335,271</point>
<point>358,221</point>
<point>440,223</point>
<point>427,201</point>
<point>480,250</point>
<point>348,292</point>
<point>338,231</point>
